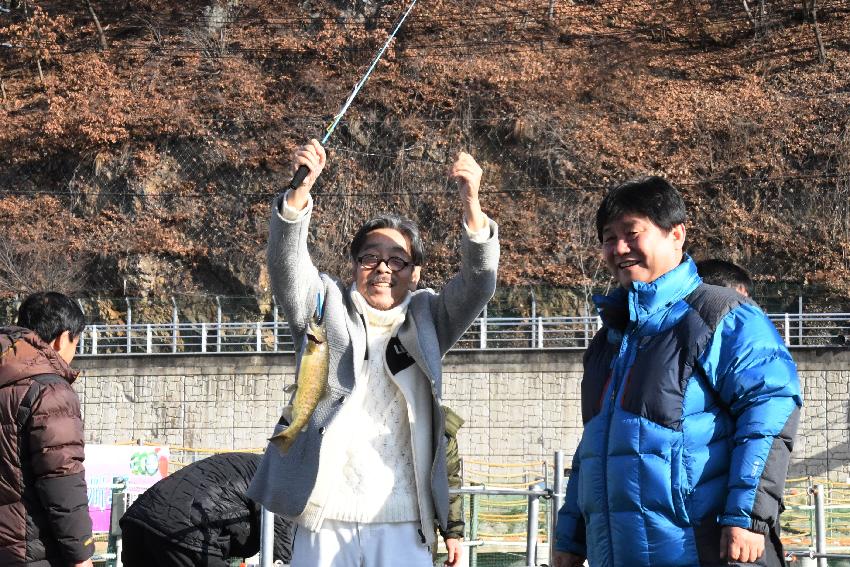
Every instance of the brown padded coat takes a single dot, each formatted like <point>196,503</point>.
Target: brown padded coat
<point>44,518</point>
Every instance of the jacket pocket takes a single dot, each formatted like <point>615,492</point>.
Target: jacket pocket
<point>679,486</point>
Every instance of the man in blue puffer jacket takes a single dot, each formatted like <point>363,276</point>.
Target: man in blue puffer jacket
<point>690,403</point>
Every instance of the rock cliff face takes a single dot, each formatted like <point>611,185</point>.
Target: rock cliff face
<point>147,168</point>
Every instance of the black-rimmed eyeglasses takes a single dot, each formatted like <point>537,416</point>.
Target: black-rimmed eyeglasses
<point>371,261</point>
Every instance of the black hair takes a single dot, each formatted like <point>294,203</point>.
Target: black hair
<point>49,314</point>
<point>405,226</point>
<point>652,197</point>
<point>723,273</point>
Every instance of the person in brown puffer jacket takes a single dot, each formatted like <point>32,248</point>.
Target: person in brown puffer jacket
<point>44,517</point>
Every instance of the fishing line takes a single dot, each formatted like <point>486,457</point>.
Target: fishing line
<point>303,170</point>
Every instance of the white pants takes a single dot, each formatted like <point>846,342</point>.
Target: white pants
<point>351,544</point>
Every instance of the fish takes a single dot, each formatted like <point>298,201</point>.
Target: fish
<point>312,383</point>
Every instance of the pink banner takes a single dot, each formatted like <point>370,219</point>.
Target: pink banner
<point>137,466</point>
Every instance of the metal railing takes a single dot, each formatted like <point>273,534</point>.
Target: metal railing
<point>816,501</point>
<point>486,333</point>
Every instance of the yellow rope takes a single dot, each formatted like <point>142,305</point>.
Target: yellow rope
<point>192,449</point>
<point>505,475</point>
<point>503,503</point>
<point>502,518</point>
<point>504,465</point>
<point>508,484</point>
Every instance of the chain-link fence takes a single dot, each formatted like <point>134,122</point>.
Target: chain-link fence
<point>191,212</point>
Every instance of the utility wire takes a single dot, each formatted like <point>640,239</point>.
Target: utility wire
<point>514,190</point>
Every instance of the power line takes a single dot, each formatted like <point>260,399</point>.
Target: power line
<point>514,190</point>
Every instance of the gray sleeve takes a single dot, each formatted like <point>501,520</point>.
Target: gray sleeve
<point>295,280</point>
<point>465,295</point>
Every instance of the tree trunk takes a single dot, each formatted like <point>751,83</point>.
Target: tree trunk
<point>40,72</point>
<point>751,18</point>
<point>97,25</point>
<point>821,49</point>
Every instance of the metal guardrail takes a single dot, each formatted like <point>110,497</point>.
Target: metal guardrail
<point>818,504</point>
<point>486,333</point>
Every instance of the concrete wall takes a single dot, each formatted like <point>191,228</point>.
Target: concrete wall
<point>519,406</point>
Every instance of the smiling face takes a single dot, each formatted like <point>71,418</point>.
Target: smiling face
<point>381,287</point>
<point>636,250</point>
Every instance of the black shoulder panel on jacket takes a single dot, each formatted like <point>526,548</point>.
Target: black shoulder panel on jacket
<point>597,370</point>
<point>713,302</point>
<point>665,362</point>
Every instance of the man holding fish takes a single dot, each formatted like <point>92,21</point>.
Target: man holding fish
<point>364,474</point>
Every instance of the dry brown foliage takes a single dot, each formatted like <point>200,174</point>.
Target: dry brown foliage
<point>170,143</point>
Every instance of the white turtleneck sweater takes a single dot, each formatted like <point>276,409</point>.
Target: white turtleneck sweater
<point>366,470</point>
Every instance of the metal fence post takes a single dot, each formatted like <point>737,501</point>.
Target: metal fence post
<point>259,336</point>
<point>800,320</point>
<point>787,330</point>
<point>94,339</point>
<point>173,325</point>
<point>118,505</point>
<point>149,334</point>
<point>820,524</point>
<point>81,345</point>
<point>203,338</point>
<point>274,320</point>
<point>533,320</point>
<point>540,332</point>
<point>533,528</point>
<point>483,334</point>
<point>266,538</point>
<point>218,324</point>
<point>557,501</point>
<point>129,326</point>
<point>474,506</point>
<point>586,325</point>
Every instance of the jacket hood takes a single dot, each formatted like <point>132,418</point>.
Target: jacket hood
<point>23,354</point>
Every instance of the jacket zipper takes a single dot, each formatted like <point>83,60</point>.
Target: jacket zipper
<point>617,379</point>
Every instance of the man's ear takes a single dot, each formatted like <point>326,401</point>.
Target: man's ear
<point>61,341</point>
<point>414,277</point>
<point>678,231</point>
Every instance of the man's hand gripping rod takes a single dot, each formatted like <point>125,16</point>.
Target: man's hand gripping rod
<point>303,170</point>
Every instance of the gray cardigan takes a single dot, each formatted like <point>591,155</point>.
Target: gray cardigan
<point>434,322</point>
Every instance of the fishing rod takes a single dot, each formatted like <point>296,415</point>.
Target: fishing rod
<point>303,170</point>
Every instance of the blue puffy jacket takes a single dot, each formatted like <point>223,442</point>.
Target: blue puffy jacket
<point>690,403</point>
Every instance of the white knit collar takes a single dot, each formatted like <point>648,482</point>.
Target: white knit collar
<point>378,317</point>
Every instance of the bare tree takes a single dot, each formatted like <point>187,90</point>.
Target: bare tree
<point>813,13</point>
<point>27,269</point>
<point>97,25</point>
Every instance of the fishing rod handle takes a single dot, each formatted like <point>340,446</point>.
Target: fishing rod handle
<point>299,177</point>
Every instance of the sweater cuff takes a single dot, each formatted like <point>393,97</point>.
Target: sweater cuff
<point>291,214</point>
<point>481,236</point>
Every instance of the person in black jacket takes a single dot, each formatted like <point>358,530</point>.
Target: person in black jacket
<point>726,274</point>
<point>200,516</point>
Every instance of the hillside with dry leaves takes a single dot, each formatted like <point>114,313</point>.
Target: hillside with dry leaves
<point>141,142</point>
